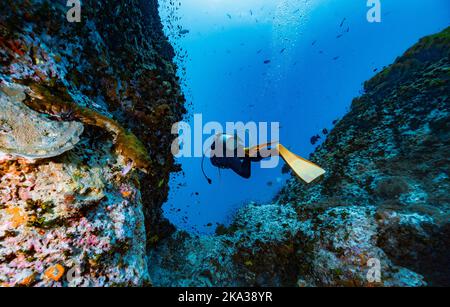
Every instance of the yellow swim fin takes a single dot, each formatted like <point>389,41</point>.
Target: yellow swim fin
<point>253,151</point>
<point>306,170</point>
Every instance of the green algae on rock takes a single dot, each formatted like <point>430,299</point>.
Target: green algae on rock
<point>53,102</point>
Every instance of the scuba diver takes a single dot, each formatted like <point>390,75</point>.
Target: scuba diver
<point>228,152</point>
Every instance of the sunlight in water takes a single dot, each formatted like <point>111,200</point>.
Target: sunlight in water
<point>288,25</point>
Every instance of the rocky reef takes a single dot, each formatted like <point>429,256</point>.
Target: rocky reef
<point>382,203</point>
<point>86,110</point>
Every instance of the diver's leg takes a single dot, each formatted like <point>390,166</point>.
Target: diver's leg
<point>259,157</point>
<point>242,168</point>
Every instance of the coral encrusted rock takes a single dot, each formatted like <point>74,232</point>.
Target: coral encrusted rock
<point>96,99</point>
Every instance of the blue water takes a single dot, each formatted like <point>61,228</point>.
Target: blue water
<point>305,87</point>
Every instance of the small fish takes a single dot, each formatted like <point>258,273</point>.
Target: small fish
<point>267,61</point>
<point>313,43</point>
<point>259,51</point>
<point>339,36</point>
<point>282,50</point>
<point>314,139</point>
<point>229,16</point>
<point>251,13</point>
<point>325,131</point>
<point>184,31</point>
<point>342,23</point>
<point>336,58</point>
<point>348,29</point>
<point>375,70</point>
<point>296,11</point>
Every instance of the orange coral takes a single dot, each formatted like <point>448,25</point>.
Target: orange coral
<point>28,280</point>
<point>126,194</point>
<point>18,217</point>
<point>54,272</point>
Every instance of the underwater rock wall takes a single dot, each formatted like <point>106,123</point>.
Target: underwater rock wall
<point>80,209</point>
<point>384,199</point>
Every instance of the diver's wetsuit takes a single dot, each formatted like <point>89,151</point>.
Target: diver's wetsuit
<point>241,166</point>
